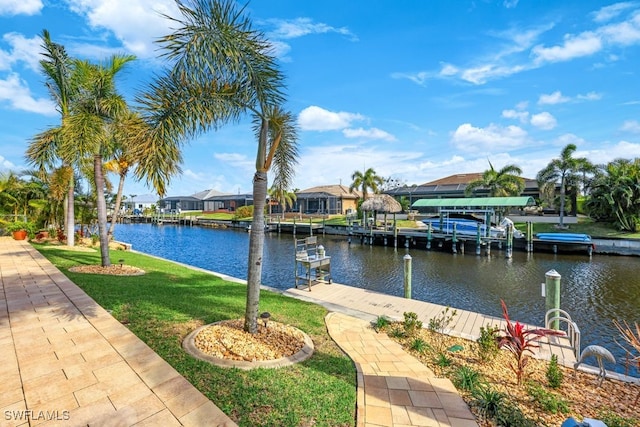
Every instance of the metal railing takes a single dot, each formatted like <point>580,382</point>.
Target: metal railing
<point>573,332</point>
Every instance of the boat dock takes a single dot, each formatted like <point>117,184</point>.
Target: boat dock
<point>370,305</point>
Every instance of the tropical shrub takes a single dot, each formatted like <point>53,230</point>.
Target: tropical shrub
<point>520,342</point>
<point>411,323</point>
<point>441,322</point>
<point>488,400</point>
<point>554,373</point>
<point>487,343</point>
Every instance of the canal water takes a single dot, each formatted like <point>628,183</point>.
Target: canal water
<point>594,290</point>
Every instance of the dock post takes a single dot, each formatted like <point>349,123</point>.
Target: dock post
<point>510,241</point>
<point>478,241</point>
<point>294,227</point>
<point>429,236</point>
<point>323,225</point>
<point>395,235</point>
<point>552,294</point>
<point>310,226</point>
<point>279,226</point>
<point>407,276</point>
<point>350,229</point>
<point>529,236</point>
<point>454,239</point>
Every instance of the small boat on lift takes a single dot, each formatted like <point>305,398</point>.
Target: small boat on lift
<point>468,226</point>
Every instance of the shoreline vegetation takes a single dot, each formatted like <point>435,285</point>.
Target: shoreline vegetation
<point>169,301</point>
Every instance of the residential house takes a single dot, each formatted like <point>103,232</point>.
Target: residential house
<point>326,199</point>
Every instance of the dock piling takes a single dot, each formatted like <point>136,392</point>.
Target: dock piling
<point>407,276</point>
<point>552,294</point>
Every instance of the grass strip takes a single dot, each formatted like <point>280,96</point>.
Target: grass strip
<point>169,301</point>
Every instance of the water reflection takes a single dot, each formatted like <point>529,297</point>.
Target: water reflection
<point>594,291</point>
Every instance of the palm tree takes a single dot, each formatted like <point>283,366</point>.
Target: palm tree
<point>125,136</point>
<point>365,181</point>
<point>90,123</point>
<point>45,148</point>
<point>500,183</point>
<point>562,171</point>
<point>285,198</point>
<point>222,69</point>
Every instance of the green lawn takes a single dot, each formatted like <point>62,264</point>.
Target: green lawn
<point>169,301</point>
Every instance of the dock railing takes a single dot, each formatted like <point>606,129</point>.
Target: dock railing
<point>573,332</point>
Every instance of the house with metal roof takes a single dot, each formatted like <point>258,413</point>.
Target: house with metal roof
<point>452,187</point>
<point>194,202</point>
<point>327,199</point>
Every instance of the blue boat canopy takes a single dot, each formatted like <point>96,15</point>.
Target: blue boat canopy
<point>475,202</point>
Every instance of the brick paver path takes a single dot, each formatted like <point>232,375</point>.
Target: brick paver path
<point>395,388</point>
<point>67,362</point>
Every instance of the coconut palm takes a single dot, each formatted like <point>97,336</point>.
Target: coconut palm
<point>90,124</point>
<point>561,171</point>
<point>368,180</point>
<point>285,198</point>
<point>44,149</point>
<point>221,70</point>
<point>499,183</point>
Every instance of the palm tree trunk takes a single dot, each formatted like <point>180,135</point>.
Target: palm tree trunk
<point>70,220</point>
<point>256,251</point>
<point>562,194</point>
<point>102,211</point>
<point>116,209</point>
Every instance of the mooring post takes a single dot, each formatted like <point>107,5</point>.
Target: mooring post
<point>395,233</point>
<point>294,227</point>
<point>509,240</point>
<point>279,226</point>
<point>454,239</point>
<point>478,241</point>
<point>552,294</point>
<point>429,235</point>
<point>407,276</point>
<point>310,226</point>
<point>529,236</point>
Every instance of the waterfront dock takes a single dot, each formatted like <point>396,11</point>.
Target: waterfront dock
<point>369,305</point>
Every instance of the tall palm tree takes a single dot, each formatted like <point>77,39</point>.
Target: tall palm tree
<point>45,148</point>
<point>126,133</point>
<point>221,70</point>
<point>368,180</point>
<point>500,183</point>
<point>561,171</point>
<point>93,112</point>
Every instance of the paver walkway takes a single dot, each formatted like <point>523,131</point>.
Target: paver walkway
<point>66,361</point>
<point>395,388</point>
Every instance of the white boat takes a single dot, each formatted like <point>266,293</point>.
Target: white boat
<point>470,227</point>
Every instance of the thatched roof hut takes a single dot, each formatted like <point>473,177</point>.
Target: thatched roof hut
<point>382,203</point>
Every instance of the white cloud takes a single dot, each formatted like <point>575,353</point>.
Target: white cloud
<point>17,94</point>
<point>544,121</point>
<point>372,133</point>
<point>418,78</point>
<point>6,165</point>
<point>22,50</point>
<point>316,118</point>
<point>553,98</point>
<point>632,126</point>
<point>289,29</point>
<point>584,44</point>
<point>509,4</point>
<point>623,33</point>
<point>591,96</point>
<point>523,116</point>
<point>20,7</point>
<point>609,12</point>
<point>470,138</point>
<point>137,28</point>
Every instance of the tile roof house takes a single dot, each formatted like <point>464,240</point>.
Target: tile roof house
<point>327,199</point>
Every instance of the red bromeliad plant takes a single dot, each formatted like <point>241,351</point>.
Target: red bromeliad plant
<point>521,341</point>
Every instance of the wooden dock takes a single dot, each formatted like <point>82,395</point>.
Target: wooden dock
<point>370,305</point>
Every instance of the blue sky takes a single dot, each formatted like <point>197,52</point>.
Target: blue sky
<point>417,90</point>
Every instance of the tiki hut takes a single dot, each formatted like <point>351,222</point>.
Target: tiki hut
<point>381,203</point>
